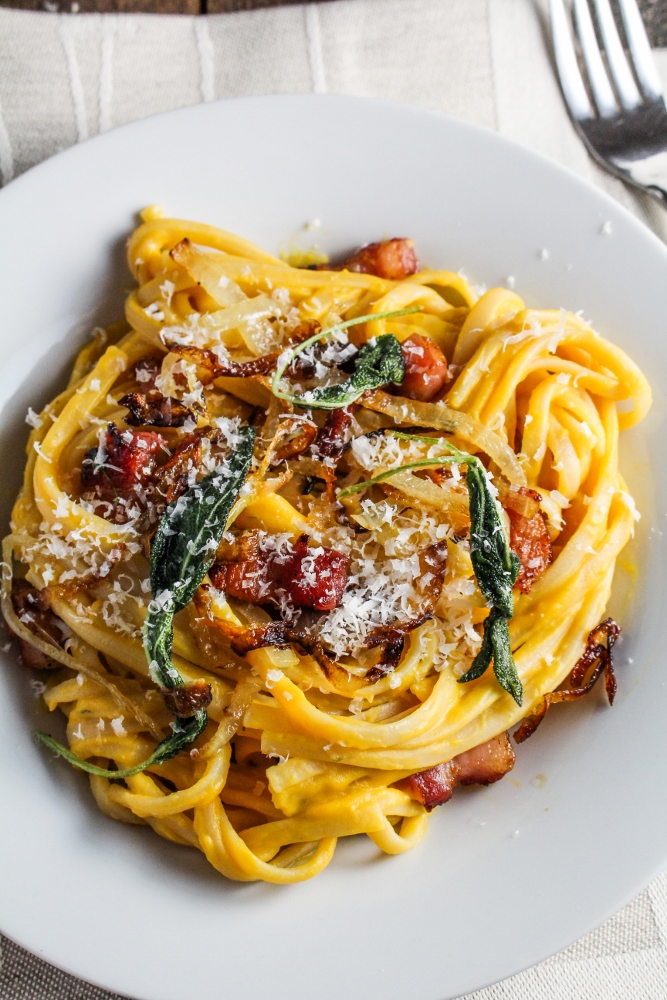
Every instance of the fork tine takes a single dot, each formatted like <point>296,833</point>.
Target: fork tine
<point>640,49</point>
<point>597,74</point>
<point>618,64</point>
<point>571,82</point>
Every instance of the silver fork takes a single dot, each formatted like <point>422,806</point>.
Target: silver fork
<point>626,126</point>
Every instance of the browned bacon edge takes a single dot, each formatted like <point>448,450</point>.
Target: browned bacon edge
<point>331,439</point>
<point>595,655</point>
<point>393,260</point>
<point>482,765</point>
<point>32,609</point>
<point>256,577</point>
<point>426,368</point>
<point>529,537</point>
<point>154,410</point>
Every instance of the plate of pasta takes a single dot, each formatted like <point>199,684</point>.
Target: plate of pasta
<point>329,507</point>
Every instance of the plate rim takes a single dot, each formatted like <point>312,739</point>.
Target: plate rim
<point>640,227</point>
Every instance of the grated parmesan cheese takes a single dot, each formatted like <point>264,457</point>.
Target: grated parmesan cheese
<point>33,418</point>
<point>38,448</point>
<point>562,501</point>
<point>118,727</point>
<point>385,580</point>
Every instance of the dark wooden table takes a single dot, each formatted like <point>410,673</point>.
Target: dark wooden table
<point>148,6</point>
<point>654,11</point>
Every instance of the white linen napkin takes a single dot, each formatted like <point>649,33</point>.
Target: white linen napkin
<point>64,77</point>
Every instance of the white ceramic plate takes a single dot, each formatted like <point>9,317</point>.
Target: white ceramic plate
<point>506,875</point>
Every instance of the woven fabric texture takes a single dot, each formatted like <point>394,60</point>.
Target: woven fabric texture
<point>65,77</point>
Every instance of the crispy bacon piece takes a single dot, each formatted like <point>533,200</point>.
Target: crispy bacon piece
<point>311,578</point>
<point>426,369</point>
<point>129,459</point>
<point>130,480</point>
<point>392,259</point>
<point>155,409</point>
<point>185,700</point>
<point>32,609</point>
<point>331,439</point>
<point>529,537</point>
<point>246,580</point>
<point>314,578</point>
<point>482,765</point>
<point>595,655</point>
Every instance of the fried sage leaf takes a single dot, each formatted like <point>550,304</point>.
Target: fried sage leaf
<point>185,732</point>
<point>496,569</point>
<point>496,566</point>
<point>496,646</point>
<point>183,549</point>
<point>377,363</point>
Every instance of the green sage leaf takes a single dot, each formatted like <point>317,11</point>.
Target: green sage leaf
<point>496,569</point>
<point>184,547</point>
<point>185,732</point>
<point>504,666</point>
<point>496,646</point>
<point>183,550</point>
<point>377,364</point>
<point>483,659</point>
<point>496,566</point>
